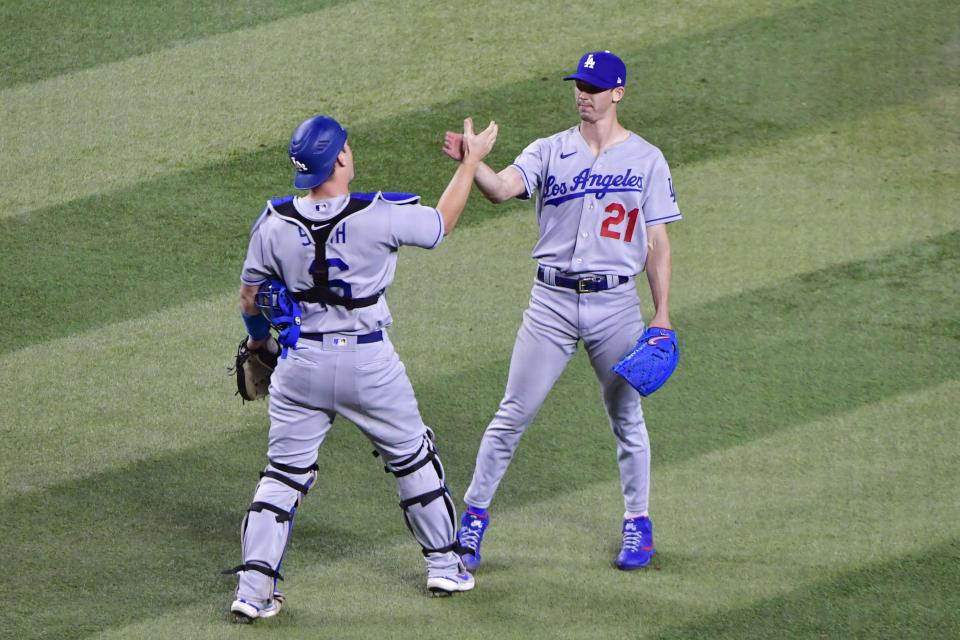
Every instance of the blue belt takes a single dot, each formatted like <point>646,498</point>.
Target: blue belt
<point>376,336</point>
<point>586,284</point>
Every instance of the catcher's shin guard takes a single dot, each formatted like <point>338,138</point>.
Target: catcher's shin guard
<point>428,508</point>
<point>266,528</point>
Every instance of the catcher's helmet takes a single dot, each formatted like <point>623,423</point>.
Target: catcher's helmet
<point>281,310</point>
<point>314,147</point>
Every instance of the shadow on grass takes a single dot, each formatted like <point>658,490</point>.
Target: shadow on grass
<point>914,596</point>
<point>118,547</point>
<point>182,237</point>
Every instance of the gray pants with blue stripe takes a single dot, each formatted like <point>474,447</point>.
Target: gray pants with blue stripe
<point>609,324</point>
<point>368,385</point>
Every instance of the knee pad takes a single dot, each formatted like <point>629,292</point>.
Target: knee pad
<point>266,528</point>
<point>428,508</point>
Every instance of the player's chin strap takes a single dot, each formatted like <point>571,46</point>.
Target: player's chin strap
<point>320,232</point>
<point>267,526</point>
<point>421,482</point>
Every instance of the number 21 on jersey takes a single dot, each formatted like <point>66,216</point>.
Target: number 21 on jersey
<point>611,224</point>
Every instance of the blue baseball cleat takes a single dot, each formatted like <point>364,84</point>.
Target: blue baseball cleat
<point>638,549</point>
<point>469,537</point>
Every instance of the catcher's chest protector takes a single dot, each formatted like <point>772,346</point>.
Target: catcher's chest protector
<point>319,232</point>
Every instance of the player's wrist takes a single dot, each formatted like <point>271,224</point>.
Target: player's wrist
<point>254,345</point>
<point>258,327</point>
<point>661,321</point>
<point>471,162</point>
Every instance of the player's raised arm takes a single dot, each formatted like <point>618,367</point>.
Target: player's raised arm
<point>474,149</point>
<point>496,187</point>
<point>499,187</point>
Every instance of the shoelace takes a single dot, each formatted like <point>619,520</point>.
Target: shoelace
<point>470,536</point>
<point>632,540</point>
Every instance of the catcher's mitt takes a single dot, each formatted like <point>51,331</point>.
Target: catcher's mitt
<point>651,362</point>
<point>254,368</point>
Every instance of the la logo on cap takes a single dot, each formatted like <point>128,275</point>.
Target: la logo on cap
<point>589,64</point>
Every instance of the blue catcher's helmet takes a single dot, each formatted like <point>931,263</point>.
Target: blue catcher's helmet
<point>282,311</point>
<point>314,148</point>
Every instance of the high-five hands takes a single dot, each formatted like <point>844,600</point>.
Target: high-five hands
<point>469,146</point>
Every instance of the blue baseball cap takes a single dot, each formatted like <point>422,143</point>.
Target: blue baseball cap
<point>601,69</point>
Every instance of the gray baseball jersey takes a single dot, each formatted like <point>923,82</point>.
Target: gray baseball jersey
<point>593,213</point>
<point>361,253</point>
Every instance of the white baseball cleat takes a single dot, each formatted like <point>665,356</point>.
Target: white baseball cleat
<point>448,585</point>
<point>245,612</point>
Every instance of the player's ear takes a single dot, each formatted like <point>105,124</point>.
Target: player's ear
<point>618,94</point>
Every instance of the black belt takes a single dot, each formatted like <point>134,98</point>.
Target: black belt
<point>586,284</point>
<point>376,336</point>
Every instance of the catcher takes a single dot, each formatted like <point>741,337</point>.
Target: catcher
<point>316,269</point>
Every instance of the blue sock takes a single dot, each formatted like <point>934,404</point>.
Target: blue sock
<point>477,511</point>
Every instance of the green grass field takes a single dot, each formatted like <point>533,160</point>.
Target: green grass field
<point>807,469</point>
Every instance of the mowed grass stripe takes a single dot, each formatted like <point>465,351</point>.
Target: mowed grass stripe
<point>911,596</point>
<point>797,508</point>
<point>43,40</point>
<point>819,503</point>
<point>73,418</point>
<point>113,126</point>
<point>735,384</point>
<point>838,195</point>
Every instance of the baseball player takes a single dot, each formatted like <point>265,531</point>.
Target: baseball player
<point>336,253</point>
<point>604,198</point>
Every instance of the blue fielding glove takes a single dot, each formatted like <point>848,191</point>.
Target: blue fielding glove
<point>651,362</point>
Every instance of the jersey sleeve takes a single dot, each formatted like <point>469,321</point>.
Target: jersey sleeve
<point>255,269</point>
<point>660,203</point>
<point>530,164</point>
<point>415,225</point>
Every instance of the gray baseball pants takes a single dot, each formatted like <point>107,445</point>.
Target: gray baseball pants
<point>368,385</point>
<point>609,324</point>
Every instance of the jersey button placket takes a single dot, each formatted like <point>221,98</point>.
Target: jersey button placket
<point>577,262</point>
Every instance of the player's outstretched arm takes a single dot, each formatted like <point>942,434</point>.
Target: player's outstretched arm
<point>475,148</point>
<point>499,187</point>
<point>496,187</point>
<point>659,267</point>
